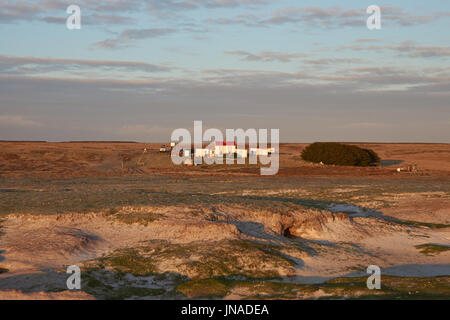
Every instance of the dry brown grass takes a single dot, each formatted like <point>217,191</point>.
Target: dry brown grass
<point>66,160</point>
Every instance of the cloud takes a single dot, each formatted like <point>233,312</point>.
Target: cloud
<point>54,11</point>
<point>102,12</point>
<point>338,78</point>
<point>352,79</point>
<point>128,37</point>
<point>326,61</point>
<point>408,48</point>
<point>34,65</point>
<point>249,20</point>
<point>11,11</point>
<point>414,50</point>
<point>17,121</point>
<point>266,56</point>
<point>158,6</point>
<point>119,12</point>
<point>329,17</point>
<point>398,16</point>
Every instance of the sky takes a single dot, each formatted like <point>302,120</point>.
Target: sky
<point>137,70</point>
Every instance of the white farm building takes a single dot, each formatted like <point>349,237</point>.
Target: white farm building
<point>202,153</point>
<point>259,152</point>
<point>224,148</point>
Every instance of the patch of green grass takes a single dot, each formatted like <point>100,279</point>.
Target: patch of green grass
<point>425,224</point>
<point>392,287</point>
<point>107,285</point>
<point>239,257</point>
<point>202,260</point>
<point>350,288</point>
<point>203,288</point>
<point>99,194</point>
<point>338,288</point>
<point>130,261</point>
<point>94,283</point>
<point>137,218</point>
<point>431,249</point>
<point>268,288</point>
<point>131,292</point>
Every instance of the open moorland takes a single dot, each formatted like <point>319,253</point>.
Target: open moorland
<point>141,228</point>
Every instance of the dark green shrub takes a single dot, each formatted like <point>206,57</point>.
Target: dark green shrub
<point>339,154</point>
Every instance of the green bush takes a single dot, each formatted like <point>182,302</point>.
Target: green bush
<point>340,154</point>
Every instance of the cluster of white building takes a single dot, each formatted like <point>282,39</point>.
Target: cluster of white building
<point>227,148</point>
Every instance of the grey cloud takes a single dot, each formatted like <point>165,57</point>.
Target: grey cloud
<point>327,17</point>
<point>17,10</point>
<point>408,48</point>
<point>112,12</point>
<point>30,65</point>
<point>330,17</point>
<point>128,37</point>
<point>326,61</point>
<point>11,11</point>
<point>361,78</point>
<point>54,11</point>
<point>168,5</point>
<point>348,80</point>
<point>248,20</point>
<point>399,16</point>
<point>267,56</point>
<point>424,51</point>
<point>317,15</point>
